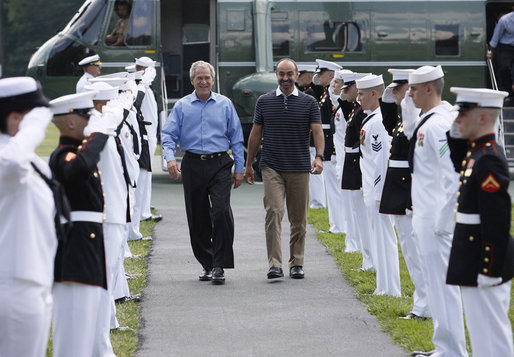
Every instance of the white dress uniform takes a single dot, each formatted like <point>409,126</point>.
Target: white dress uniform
<point>83,81</point>
<point>28,242</point>
<point>317,194</point>
<point>434,188</point>
<point>384,245</point>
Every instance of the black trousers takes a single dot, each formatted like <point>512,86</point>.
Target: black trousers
<point>207,186</point>
<point>504,62</point>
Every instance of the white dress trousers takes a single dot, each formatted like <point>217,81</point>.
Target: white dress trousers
<point>317,194</point>
<point>409,245</point>
<point>76,316</point>
<point>336,216</point>
<point>363,228</point>
<point>487,319</point>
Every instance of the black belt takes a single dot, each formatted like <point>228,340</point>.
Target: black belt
<point>204,156</point>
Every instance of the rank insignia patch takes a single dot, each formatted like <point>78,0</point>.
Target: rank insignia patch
<point>376,145</point>
<point>490,184</point>
<point>70,156</point>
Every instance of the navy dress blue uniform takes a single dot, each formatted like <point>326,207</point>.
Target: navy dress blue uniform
<point>81,257</point>
<point>352,177</point>
<point>484,248</point>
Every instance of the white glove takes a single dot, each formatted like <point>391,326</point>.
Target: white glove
<point>333,97</point>
<point>94,125</point>
<point>38,117</point>
<point>485,281</point>
<point>130,86</point>
<point>315,79</point>
<point>148,76</point>
<point>410,115</point>
<point>126,99</point>
<point>342,95</point>
<point>112,116</point>
<point>388,96</point>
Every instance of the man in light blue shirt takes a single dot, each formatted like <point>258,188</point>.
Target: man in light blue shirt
<point>503,44</point>
<point>207,126</point>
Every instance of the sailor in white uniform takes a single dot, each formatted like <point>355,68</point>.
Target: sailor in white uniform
<point>434,188</point>
<point>28,241</point>
<point>91,66</point>
<point>374,141</point>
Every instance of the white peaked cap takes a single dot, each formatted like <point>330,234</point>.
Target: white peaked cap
<point>89,60</point>
<point>115,82</point>
<point>469,98</point>
<point>114,75</point>
<point>145,62</point>
<point>350,78</point>
<point>425,74</point>
<point>370,81</point>
<point>340,74</point>
<point>104,91</point>
<point>72,102</point>
<point>14,86</point>
<point>400,76</point>
<point>331,66</point>
<point>307,68</point>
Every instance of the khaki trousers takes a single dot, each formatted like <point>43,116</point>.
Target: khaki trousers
<point>294,187</point>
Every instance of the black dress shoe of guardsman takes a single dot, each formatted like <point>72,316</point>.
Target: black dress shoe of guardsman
<point>218,276</point>
<point>422,354</point>
<point>296,272</point>
<point>412,316</point>
<point>275,272</point>
<point>206,275</point>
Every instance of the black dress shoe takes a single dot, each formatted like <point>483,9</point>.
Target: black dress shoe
<point>275,272</point>
<point>206,275</point>
<point>218,276</point>
<point>412,316</point>
<point>134,298</point>
<point>422,354</point>
<point>155,218</point>
<point>296,272</point>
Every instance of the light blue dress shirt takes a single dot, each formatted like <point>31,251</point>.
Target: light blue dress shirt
<point>504,31</point>
<point>204,128</point>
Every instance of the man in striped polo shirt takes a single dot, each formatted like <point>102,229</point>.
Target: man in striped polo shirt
<point>283,120</point>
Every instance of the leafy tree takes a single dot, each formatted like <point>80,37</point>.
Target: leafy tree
<point>27,24</point>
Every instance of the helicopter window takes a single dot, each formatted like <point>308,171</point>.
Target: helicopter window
<point>447,40</point>
<point>332,36</point>
<point>195,33</point>
<point>65,54</point>
<point>280,33</point>
<point>87,24</point>
<point>139,31</point>
<point>119,23</point>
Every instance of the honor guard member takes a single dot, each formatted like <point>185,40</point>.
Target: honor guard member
<point>27,239</point>
<point>482,254</point>
<point>91,66</point>
<point>116,179</point>
<point>351,181</point>
<point>343,108</point>
<point>80,275</point>
<point>434,185</point>
<point>325,72</point>
<point>304,81</point>
<point>373,143</point>
<point>396,197</point>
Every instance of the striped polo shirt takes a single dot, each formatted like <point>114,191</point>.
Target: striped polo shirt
<point>286,126</point>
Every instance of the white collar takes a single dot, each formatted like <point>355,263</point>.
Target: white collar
<point>278,92</point>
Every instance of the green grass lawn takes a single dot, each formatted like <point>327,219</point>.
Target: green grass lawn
<point>411,335</point>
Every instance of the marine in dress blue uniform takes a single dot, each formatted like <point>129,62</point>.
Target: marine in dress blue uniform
<point>482,253</point>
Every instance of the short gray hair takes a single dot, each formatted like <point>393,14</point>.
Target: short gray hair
<point>201,64</point>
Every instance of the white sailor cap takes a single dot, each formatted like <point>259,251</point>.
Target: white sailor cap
<point>145,62</point>
<point>400,77</point>
<point>91,60</point>
<point>350,78</point>
<point>18,94</point>
<point>79,103</point>
<point>340,74</point>
<point>310,68</point>
<point>327,66</point>
<point>425,74</point>
<point>104,91</point>
<point>370,81</point>
<point>470,98</point>
<point>115,82</point>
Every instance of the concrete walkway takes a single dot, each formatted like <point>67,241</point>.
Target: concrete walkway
<point>249,315</point>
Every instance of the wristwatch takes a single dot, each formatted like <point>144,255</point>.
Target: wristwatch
<point>320,156</point>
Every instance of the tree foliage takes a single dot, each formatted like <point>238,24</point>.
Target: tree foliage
<point>27,24</point>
